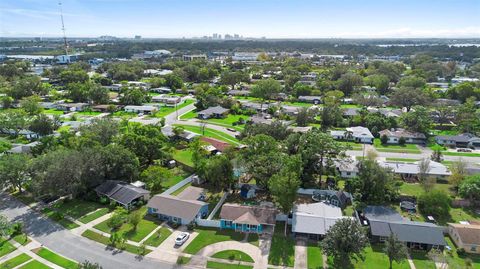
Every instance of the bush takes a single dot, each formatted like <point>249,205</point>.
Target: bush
<point>384,139</point>
<point>401,141</point>
<point>191,226</point>
<point>461,252</point>
<point>435,203</point>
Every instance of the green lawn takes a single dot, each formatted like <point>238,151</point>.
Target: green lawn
<point>189,115</point>
<point>421,260</point>
<point>375,257</point>
<point>56,259</point>
<point>95,215</point>
<point>158,237</point>
<point>407,148</point>
<point>233,255</point>
<point>282,251</point>
<point>405,160</point>
<point>105,241</point>
<point>178,175</point>
<point>15,261</point>
<point>53,111</point>
<point>88,113</point>
<point>22,239</point>
<point>211,133</point>
<point>183,156</point>
<point>314,257</point>
<point>5,247</point>
<point>352,145</point>
<point>461,154</point>
<point>35,265</point>
<point>219,265</point>
<point>415,189</point>
<point>455,261</point>
<point>59,219</point>
<point>165,110</point>
<point>458,214</point>
<point>229,120</point>
<point>76,208</point>
<point>208,236</point>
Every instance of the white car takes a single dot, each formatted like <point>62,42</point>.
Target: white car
<point>181,238</point>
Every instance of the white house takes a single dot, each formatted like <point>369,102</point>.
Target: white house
<point>357,134</point>
<point>394,136</point>
<point>314,220</point>
<point>140,109</point>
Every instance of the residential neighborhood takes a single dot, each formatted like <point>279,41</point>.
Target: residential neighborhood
<point>236,151</point>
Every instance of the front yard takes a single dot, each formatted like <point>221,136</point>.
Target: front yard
<point>233,255</point>
<point>207,236</point>
<point>55,258</point>
<point>282,250</point>
<point>211,133</point>
<point>314,256</point>
<point>407,148</point>
<point>455,261</point>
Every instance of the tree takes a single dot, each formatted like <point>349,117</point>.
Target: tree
<point>426,181</point>
<point>408,97</point>
<point>89,265</point>
<point>5,226</point>
<point>73,76</point>
<point>379,81</point>
<point>30,105</point>
<point>99,132</point>
<point>384,139</point>
<point>173,81</point>
<point>232,77</point>
<point>266,89</point>
<point>14,171</point>
<point>98,94</point>
<point>349,81</point>
<point>134,96</point>
<point>434,203</point>
<point>374,184</point>
<point>43,125</point>
<point>437,155</point>
<point>331,113</point>
<point>25,87</point>
<point>118,218</point>
<point>78,92</point>
<point>395,250</point>
<point>13,121</point>
<point>467,117</point>
<point>459,172</point>
<point>345,240</point>
<point>304,117</point>
<point>217,170</point>
<point>418,120</point>
<point>319,151</point>
<point>154,176</point>
<point>284,185</point>
<point>470,188</point>
<point>134,219</point>
<point>412,82</point>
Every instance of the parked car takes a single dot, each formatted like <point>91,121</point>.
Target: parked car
<point>231,130</point>
<point>464,150</point>
<point>181,239</point>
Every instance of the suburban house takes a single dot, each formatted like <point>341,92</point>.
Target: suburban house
<point>357,134</point>
<point>411,170</point>
<point>23,148</point>
<point>219,145</point>
<point>239,92</point>
<point>71,107</point>
<point>310,99</point>
<point>465,140</point>
<point>104,108</point>
<point>351,112</point>
<point>248,219</point>
<point>384,221</point>
<point>314,220</point>
<point>394,135</point>
<point>123,193</point>
<point>213,112</point>
<point>466,236</point>
<point>140,109</point>
<point>339,199</point>
<point>182,209</point>
<point>167,99</point>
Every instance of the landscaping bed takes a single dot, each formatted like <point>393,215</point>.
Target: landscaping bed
<point>233,255</point>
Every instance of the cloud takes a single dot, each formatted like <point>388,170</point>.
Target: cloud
<point>416,33</point>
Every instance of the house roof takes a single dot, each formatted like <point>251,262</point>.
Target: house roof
<point>191,193</point>
<point>461,138</point>
<point>468,233</point>
<point>351,112</point>
<point>409,231</point>
<point>257,214</point>
<point>381,213</point>
<point>174,206</point>
<point>220,145</point>
<point>435,168</point>
<point>399,132</point>
<point>120,191</point>
<point>213,110</point>
<point>316,218</point>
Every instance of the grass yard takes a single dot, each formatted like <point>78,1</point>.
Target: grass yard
<point>219,265</point>
<point>35,265</point>
<point>94,215</point>
<point>211,133</point>
<point>55,258</point>
<point>52,112</point>
<point>189,115</point>
<point>229,120</point>
<point>183,156</point>
<point>352,145</point>
<point>24,197</point>
<point>178,175</point>
<point>22,239</point>
<point>375,257</point>
<point>15,261</point>
<point>415,189</point>
<point>461,154</point>
<point>105,241</point>
<point>76,208</point>
<point>455,261</point>
<point>407,148</point>
<point>421,260</point>
<point>458,214</point>
<point>282,251</point>
<point>5,247</point>
<point>208,236</point>
<point>143,229</point>
<point>88,113</point>
<point>165,110</point>
<point>59,219</point>
<point>314,257</point>
<point>233,255</point>
<point>404,160</point>
<point>156,239</point>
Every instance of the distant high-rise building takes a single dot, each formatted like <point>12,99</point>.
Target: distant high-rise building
<point>215,36</point>
<point>228,36</point>
<point>138,37</point>
<point>219,36</point>
<point>236,36</point>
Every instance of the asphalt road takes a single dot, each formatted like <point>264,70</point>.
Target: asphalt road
<point>72,246</point>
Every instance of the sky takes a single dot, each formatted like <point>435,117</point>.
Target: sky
<point>250,18</point>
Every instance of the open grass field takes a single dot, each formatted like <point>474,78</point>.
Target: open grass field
<point>208,236</point>
<point>233,255</point>
<point>56,259</point>
<point>229,120</point>
<point>282,251</point>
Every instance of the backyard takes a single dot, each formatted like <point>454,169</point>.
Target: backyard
<point>314,256</point>
<point>183,156</point>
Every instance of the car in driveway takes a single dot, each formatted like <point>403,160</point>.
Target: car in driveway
<point>181,238</point>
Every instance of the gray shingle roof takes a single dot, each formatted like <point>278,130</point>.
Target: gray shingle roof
<point>409,231</point>
<point>120,191</point>
<point>261,214</point>
<point>173,206</point>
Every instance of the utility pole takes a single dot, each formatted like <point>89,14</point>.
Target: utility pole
<point>65,44</point>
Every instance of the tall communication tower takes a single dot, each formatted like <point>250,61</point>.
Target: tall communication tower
<point>65,44</point>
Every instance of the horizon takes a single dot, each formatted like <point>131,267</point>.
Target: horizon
<point>272,19</point>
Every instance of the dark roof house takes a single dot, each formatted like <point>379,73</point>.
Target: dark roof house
<point>122,192</point>
<point>213,112</point>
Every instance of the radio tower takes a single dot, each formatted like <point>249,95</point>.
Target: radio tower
<point>65,44</point>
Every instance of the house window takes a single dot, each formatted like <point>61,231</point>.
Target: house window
<point>382,239</point>
<point>473,249</point>
<point>228,223</point>
<point>348,173</point>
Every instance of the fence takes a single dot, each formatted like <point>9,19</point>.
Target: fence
<point>217,207</point>
<point>208,223</point>
<point>179,185</point>
<point>283,217</point>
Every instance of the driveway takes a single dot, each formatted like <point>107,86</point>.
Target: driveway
<point>300,254</point>
<point>70,245</point>
<point>251,250</point>
<point>167,251</point>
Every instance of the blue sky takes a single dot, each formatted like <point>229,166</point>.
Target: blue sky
<point>255,18</point>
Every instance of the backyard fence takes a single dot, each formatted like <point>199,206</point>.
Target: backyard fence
<point>217,207</point>
<point>208,223</point>
<point>179,185</point>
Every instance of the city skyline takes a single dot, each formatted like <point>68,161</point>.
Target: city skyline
<point>248,18</point>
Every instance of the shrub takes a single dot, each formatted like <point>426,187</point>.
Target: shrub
<point>401,141</point>
<point>461,251</point>
<point>384,139</point>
